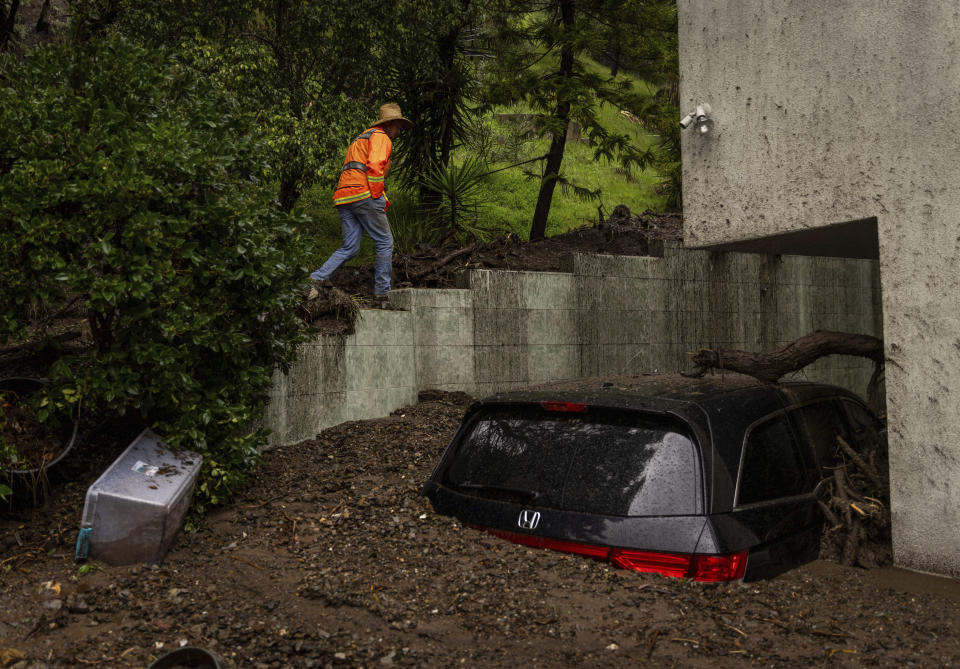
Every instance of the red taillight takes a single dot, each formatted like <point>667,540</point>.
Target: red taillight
<point>698,567</point>
<point>719,567</point>
<point>592,550</point>
<point>668,564</point>
<point>569,407</point>
<point>711,568</point>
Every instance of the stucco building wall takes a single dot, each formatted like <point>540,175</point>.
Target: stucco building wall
<point>829,113</point>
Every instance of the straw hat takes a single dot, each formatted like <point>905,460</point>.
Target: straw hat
<point>391,112</point>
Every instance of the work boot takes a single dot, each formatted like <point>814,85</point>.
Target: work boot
<point>311,289</point>
<point>308,291</point>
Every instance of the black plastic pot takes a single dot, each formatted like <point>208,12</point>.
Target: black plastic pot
<point>25,386</point>
<point>189,656</point>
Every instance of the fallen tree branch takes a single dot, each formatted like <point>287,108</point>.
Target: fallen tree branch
<point>861,463</point>
<point>829,514</point>
<point>841,492</point>
<point>772,365</point>
<point>320,299</point>
<point>858,508</point>
<point>852,545</point>
<point>37,345</point>
<point>443,261</point>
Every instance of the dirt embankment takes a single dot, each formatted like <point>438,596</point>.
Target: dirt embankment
<point>329,309</point>
<point>429,267</point>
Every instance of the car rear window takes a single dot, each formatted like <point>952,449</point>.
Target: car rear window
<point>608,462</point>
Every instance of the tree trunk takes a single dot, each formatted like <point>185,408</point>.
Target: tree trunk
<point>614,55</point>
<point>547,185</point>
<point>794,356</point>
<point>446,133</point>
<point>448,56</point>
<point>43,25</point>
<point>8,20</point>
<point>289,194</point>
<point>551,171</point>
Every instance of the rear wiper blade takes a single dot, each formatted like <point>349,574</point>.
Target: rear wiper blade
<point>529,494</point>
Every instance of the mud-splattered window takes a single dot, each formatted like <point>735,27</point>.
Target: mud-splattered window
<point>611,463</point>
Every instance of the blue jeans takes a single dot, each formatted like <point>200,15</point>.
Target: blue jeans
<point>356,217</point>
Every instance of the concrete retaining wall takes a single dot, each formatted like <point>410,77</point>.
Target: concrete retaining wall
<point>640,314</point>
<point>604,315</point>
<point>443,337</point>
<point>339,378</point>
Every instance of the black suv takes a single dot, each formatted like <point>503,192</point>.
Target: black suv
<point>715,480</point>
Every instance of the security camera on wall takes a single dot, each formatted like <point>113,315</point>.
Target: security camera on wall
<point>699,116</point>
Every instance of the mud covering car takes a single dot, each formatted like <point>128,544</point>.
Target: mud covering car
<point>711,479</point>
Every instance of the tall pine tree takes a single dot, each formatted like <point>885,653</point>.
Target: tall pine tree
<point>540,47</point>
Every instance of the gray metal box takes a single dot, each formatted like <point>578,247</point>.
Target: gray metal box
<point>133,512</point>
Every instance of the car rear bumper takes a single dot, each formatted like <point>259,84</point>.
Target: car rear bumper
<point>676,534</point>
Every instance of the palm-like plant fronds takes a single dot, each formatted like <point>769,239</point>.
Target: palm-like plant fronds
<point>457,190</point>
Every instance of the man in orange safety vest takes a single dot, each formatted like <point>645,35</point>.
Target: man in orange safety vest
<point>361,199</point>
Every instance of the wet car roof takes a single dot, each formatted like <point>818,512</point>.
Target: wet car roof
<point>664,391</point>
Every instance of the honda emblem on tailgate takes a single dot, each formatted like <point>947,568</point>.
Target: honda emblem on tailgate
<point>529,519</point>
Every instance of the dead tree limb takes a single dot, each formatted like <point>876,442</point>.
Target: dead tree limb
<point>771,366</point>
<point>841,492</point>
<point>870,472</point>
<point>859,500</point>
<point>37,345</point>
<point>852,545</point>
<point>321,301</point>
<point>852,524</point>
<point>830,515</point>
<point>443,261</point>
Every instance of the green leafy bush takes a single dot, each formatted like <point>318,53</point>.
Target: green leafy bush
<point>130,183</point>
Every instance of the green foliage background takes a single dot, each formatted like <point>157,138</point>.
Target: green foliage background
<point>131,182</point>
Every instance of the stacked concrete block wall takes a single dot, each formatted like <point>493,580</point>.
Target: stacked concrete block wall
<point>525,328</point>
<point>338,378</point>
<point>647,313</point>
<point>443,336</point>
<point>605,315</point>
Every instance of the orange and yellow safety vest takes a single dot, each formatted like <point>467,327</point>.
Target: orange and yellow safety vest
<point>364,167</point>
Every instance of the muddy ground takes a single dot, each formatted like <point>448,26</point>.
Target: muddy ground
<point>330,557</point>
